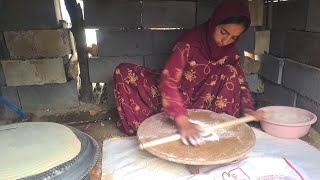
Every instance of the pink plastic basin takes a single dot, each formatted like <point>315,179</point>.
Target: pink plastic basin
<point>289,130</point>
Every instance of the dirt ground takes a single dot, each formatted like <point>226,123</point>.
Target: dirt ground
<point>101,131</point>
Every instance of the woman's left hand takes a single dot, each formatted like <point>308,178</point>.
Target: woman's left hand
<point>259,115</point>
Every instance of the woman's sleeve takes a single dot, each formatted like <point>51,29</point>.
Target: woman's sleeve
<point>247,101</point>
<point>169,82</point>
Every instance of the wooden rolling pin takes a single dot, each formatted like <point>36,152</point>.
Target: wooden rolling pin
<point>207,132</point>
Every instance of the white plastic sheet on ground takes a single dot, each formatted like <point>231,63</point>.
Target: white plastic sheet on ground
<point>272,158</point>
<point>257,168</point>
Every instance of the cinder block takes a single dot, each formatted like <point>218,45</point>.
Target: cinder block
<point>268,15</point>
<point>101,69</point>
<point>313,23</point>
<point>110,100</point>
<point>255,42</point>
<point>124,43</point>
<point>253,56</point>
<point>308,104</point>
<point>246,41</point>
<point>34,72</point>
<point>49,96</point>
<point>255,83</point>
<point>272,68</point>
<point>112,14</point>
<point>28,14</point>
<point>156,61</point>
<point>10,94</point>
<point>38,43</point>
<point>279,95</point>
<point>164,41</point>
<point>251,66</point>
<point>168,14</point>
<point>290,15</point>
<point>4,53</point>
<point>256,9</point>
<point>277,42</point>
<point>205,9</point>
<point>2,78</point>
<point>262,42</point>
<point>303,47</point>
<point>302,78</point>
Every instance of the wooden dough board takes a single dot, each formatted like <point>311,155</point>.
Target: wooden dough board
<point>233,144</point>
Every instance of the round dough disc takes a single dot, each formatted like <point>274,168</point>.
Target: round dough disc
<point>233,144</point>
<point>32,148</point>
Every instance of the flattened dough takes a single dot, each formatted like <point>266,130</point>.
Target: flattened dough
<point>32,148</point>
<point>233,144</point>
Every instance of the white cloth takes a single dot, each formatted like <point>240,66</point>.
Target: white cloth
<point>257,168</point>
<point>123,160</point>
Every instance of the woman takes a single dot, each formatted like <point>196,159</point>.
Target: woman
<point>203,72</point>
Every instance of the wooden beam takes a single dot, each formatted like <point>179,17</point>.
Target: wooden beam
<point>78,30</point>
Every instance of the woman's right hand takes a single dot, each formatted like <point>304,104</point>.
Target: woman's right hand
<point>190,132</point>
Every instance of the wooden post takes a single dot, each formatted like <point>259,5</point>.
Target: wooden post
<point>75,13</point>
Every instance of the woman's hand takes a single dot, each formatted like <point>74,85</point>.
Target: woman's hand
<point>190,132</point>
<point>259,115</point>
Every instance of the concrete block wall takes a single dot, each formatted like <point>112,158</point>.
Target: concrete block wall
<point>272,68</point>
<point>254,41</point>
<point>119,39</point>
<point>302,46</point>
<point>35,53</point>
<point>37,43</point>
<point>49,96</point>
<point>302,78</point>
<point>124,42</point>
<point>262,42</point>
<point>29,14</point>
<point>3,48</point>
<point>112,14</point>
<point>141,36</point>
<point>34,72</point>
<point>10,94</point>
<point>246,41</point>
<point>279,95</point>
<point>2,78</point>
<point>292,70</point>
<point>173,14</point>
<point>285,80</point>
<point>256,8</point>
<point>277,42</point>
<point>313,23</point>
<point>298,15</point>
<point>101,68</point>
<point>288,15</point>
<point>291,83</point>
<point>204,10</point>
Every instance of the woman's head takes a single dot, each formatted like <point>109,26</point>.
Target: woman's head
<point>229,20</point>
<point>229,30</point>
